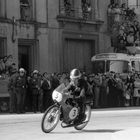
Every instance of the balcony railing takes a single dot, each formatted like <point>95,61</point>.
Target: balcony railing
<point>76,13</point>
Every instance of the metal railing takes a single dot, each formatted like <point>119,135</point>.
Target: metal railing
<point>77,13</point>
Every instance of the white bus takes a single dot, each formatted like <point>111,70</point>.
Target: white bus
<point>106,62</point>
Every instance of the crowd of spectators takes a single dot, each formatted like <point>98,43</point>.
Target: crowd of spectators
<point>114,89</point>
<point>124,25</point>
<point>34,92</point>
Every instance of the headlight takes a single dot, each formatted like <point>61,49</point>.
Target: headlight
<point>57,96</point>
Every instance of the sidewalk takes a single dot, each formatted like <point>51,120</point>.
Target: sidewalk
<point>20,118</point>
<point>93,109</point>
<point>118,108</point>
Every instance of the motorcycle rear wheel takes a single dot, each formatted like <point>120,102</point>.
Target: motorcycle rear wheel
<point>86,120</point>
<point>50,118</point>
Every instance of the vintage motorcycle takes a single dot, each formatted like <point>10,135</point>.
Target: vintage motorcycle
<point>66,110</point>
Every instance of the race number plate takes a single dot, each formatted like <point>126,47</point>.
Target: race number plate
<point>73,113</point>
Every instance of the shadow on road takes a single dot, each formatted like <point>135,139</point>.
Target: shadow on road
<point>89,131</point>
<point>98,131</point>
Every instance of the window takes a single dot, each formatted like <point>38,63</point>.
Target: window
<point>3,57</point>
<point>26,10</point>
<point>118,66</point>
<point>86,9</point>
<point>133,3</point>
<point>68,6</point>
<point>119,1</point>
<point>2,8</point>
<point>2,48</point>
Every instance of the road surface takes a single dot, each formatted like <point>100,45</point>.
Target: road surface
<point>122,124</point>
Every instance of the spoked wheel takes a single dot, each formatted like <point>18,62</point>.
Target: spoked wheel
<point>50,118</point>
<point>86,120</point>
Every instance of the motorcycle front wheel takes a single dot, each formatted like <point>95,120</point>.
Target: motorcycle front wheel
<point>50,118</point>
<point>86,120</point>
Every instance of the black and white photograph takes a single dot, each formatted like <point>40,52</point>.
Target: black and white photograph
<point>69,69</point>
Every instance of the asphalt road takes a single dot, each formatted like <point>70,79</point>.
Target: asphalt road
<point>104,125</point>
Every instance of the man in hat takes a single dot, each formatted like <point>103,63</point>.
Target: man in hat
<point>36,91</point>
<point>11,90</point>
<point>20,87</point>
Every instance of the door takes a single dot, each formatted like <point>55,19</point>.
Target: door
<point>77,54</point>
<point>24,53</point>
<point>2,47</point>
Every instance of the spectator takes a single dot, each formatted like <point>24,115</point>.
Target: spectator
<point>97,83</point>
<point>20,88</point>
<point>66,81</point>
<point>121,43</point>
<point>117,13</point>
<point>10,68</point>
<point>36,90</point>
<point>112,96</point>
<point>47,90</point>
<point>119,90</point>
<point>130,84</point>
<point>136,27</point>
<point>103,91</point>
<point>55,81</point>
<point>110,16</point>
<point>123,11</point>
<point>11,90</point>
<point>136,95</point>
<point>28,99</point>
<point>127,95</point>
<point>130,40</point>
<point>91,88</point>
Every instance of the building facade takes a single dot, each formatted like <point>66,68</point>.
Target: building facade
<point>78,29</point>
<point>23,31</point>
<point>53,35</point>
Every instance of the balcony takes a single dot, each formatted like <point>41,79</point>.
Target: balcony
<point>25,11</point>
<point>84,14</point>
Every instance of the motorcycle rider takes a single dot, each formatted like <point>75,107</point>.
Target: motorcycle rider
<point>78,88</point>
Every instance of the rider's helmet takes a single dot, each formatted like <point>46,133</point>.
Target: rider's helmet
<point>75,73</point>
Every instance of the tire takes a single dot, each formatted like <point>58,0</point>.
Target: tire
<point>86,120</point>
<point>50,118</point>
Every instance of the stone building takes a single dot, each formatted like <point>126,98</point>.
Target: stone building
<point>53,35</point>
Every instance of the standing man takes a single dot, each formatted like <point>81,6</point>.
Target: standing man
<point>36,90</point>
<point>11,90</point>
<point>97,85</point>
<point>47,90</point>
<point>20,87</point>
<point>112,95</point>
